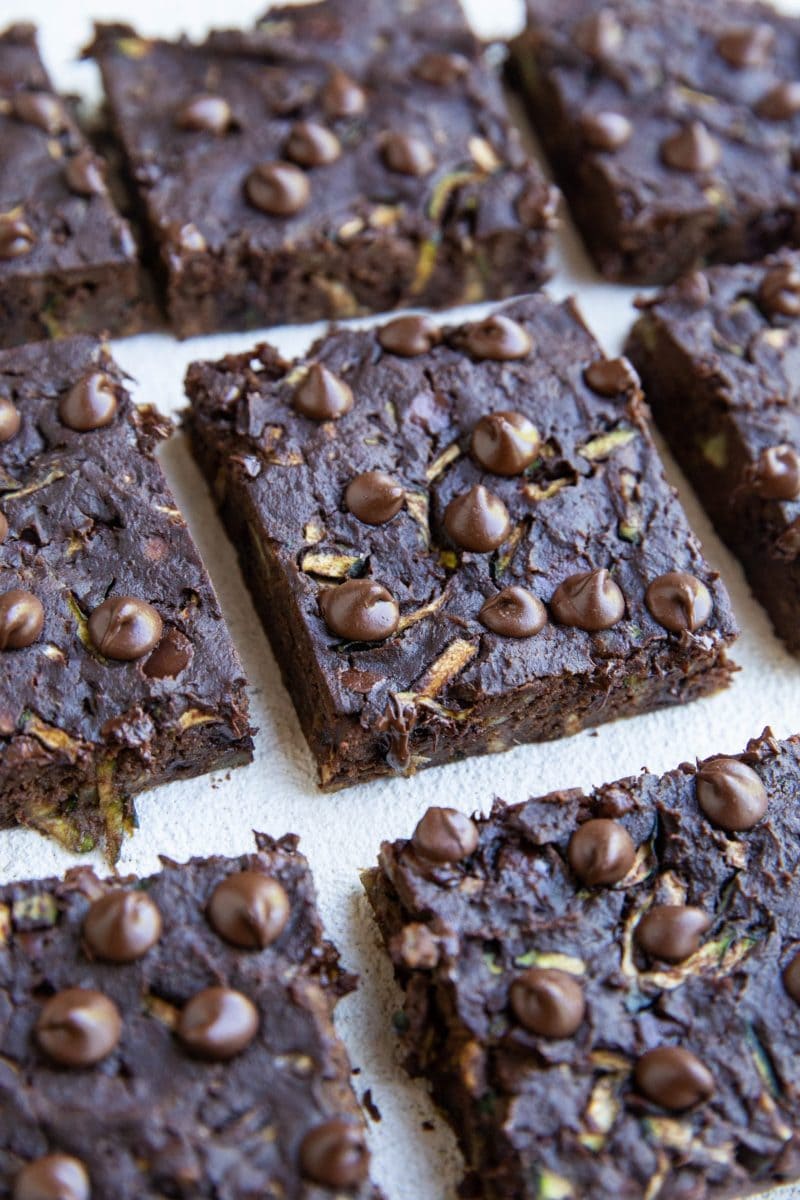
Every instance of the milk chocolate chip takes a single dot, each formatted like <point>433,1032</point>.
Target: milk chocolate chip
<point>91,403</point>
<point>672,932</point>
<point>409,336</point>
<point>125,628</point>
<point>78,1027</point>
<point>590,601</point>
<point>334,1154</point>
<point>505,443</point>
<point>218,1023</point>
<point>673,1078</point>
<point>444,835</point>
<point>477,520</point>
<point>374,497</point>
<point>249,909</point>
<point>360,610</point>
<point>21,619</point>
<point>278,189</point>
<point>53,1177</point>
<point>548,1002</point>
<point>731,794</point>
<point>514,612</point>
<point>321,395</point>
<point>691,149</point>
<point>122,926</point>
<point>601,852</point>
<point>679,601</point>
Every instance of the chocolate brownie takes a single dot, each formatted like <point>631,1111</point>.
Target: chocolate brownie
<point>719,354</point>
<point>68,262</point>
<point>295,177</point>
<point>117,670</point>
<point>407,500</point>
<point>603,988</point>
<point>672,127</point>
<point>172,1036</point>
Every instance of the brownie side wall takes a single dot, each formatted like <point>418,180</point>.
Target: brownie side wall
<point>98,298</point>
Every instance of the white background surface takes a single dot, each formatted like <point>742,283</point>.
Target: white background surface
<point>341,833</point>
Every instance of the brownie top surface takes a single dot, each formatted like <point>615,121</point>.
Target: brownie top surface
<point>514,904</point>
<point>594,497</point>
<point>55,213</point>
<point>90,517</point>
<point>157,1114</point>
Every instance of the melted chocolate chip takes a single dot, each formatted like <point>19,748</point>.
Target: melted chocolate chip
<point>374,497</point>
<point>781,103</point>
<point>321,395</point>
<point>599,35</point>
<point>122,926</point>
<point>606,130</point>
<point>205,114</point>
<point>360,610</point>
<point>477,520</point>
<point>673,1078</point>
<point>691,149</point>
<point>441,69</point>
<point>78,1027</point>
<point>249,909</point>
<point>42,109</point>
<point>171,656</point>
<point>125,628</point>
<point>218,1023</point>
<point>672,932</point>
<point>3,528</point>
<point>312,145</point>
<point>611,377</point>
<point>590,600</point>
<point>334,1154</point>
<point>444,835</point>
<point>514,612</point>
<point>680,602</point>
<point>83,174</point>
<point>548,1002</point>
<point>777,473</point>
<point>53,1177</point>
<point>278,189</point>
<point>497,338</point>
<point>749,46</point>
<point>10,420</point>
<point>731,794</point>
<point>601,852</point>
<point>91,403</point>
<point>341,96</point>
<point>21,619</point>
<point>791,978</point>
<point>409,336</point>
<point>16,237</point>
<point>505,443</point>
<point>779,294</point>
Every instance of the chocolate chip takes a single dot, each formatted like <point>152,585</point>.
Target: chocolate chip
<point>680,602</point>
<point>10,420</point>
<point>218,1023</point>
<point>341,96</point>
<point>477,520</point>
<point>548,1002</point>
<point>780,103</point>
<point>497,338</point>
<point>673,1078</point>
<point>731,794</point>
<point>694,289</point>
<point>791,978</point>
<point>41,109</point>
<point>53,1177</point>
<point>611,377</point>
<point>125,628</point>
<point>321,395</point>
<point>514,612</point>
<point>83,174</point>
<point>606,130</point>
<point>749,46</point>
<point>21,619</point>
<point>374,497</point>
<point>205,114</point>
<point>444,835</point>
<point>441,69</point>
<point>777,473</point>
<point>3,528</point>
<point>249,909</point>
<point>360,610</point>
<point>691,149</point>
<point>409,336</point>
<point>779,294</point>
<point>312,145</point>
<point>599,35</point>
<point>122,926</point>
<point>334,1154</point>
<point>406,155</point>
<point>672,932</point>
<point>78,1027</point>
<point>16,237</point>
<point>590,600</point>
<point>505,443</point>
<point>601,852</point>
<point>171,656</point>
<point>278,189</point>
<point>91,403</point>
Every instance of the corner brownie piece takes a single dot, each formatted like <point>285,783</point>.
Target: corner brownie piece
<point>603,988</point>
<point>296,177</point>
<point>672,127</point>
<point>172,1036</point>
<point>406,501</point>
<point>68,261</point>
<point>117,673</point>
<point>719,352</point>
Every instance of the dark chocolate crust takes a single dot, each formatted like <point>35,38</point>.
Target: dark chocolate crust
<point>720,372</point>
<point>91,515</point>
<point>644,221</point>
<point>150,1121</point>
<point>445,687</point>
<point>370,238</point>
<point>542,1117</point>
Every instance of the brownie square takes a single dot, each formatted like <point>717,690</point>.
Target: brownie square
<point>407,500</point>
<point>672,127</point>
<point>603,988</point>
<point>719,353</point>
<point>172,1036</point>
<point>68,261</point>
<point>118,673</point>
<point>288,175</point>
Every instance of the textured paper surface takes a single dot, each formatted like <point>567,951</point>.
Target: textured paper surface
<point>341,833</point>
